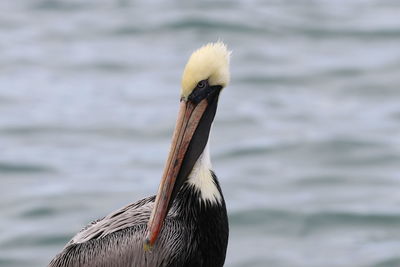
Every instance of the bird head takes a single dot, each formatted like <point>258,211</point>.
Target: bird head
<point>209,65</point>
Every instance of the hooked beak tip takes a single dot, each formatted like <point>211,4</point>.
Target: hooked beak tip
<point>147,246</point>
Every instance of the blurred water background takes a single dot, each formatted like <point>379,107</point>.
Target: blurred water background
<point>306,140</point>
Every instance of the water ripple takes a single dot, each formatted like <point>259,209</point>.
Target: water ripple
<point>18,168</point>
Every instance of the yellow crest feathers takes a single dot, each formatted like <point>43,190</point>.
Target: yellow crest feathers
<point>208,62</point>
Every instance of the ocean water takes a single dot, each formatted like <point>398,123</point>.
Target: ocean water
<point>306,141</point>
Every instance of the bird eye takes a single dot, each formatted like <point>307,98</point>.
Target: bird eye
<point>201,84</point>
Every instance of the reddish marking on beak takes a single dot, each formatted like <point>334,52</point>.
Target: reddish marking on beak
<point>188,120</point>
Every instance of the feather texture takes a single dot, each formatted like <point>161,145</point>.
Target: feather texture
<point>194,234</point>
<point>210,62</point>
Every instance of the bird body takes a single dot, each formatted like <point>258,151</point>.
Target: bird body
<point>186,223</point>
<point>117,239</point>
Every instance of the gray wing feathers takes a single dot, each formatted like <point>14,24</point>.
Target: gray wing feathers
<point>134,214</point>
<point>117,241</point>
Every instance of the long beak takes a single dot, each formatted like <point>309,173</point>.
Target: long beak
<point>188,120</point>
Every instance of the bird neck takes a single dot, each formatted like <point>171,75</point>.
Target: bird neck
<point>203,181</point>
<point>192,201</point>
<point>205,218</point>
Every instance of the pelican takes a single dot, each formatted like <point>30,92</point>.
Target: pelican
<point>186,223</point>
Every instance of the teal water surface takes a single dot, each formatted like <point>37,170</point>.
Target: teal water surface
<point>306,142</point>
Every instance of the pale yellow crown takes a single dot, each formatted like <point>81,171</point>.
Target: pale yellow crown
<point>208,62</point>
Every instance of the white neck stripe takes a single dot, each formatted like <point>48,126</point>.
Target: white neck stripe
<point>201,178</point>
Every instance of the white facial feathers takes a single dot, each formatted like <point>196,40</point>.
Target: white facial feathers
<point>208,62</point>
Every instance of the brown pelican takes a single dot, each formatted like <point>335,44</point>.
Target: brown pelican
<point>186,223</point>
